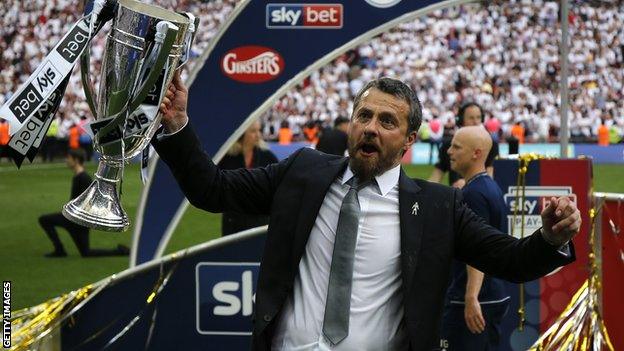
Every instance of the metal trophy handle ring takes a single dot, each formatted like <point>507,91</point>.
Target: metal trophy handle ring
<point>142,51</point>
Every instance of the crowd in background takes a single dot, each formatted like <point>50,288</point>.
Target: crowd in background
<point>502,54</point>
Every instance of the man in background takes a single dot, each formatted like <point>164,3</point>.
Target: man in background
<point>476,303</point>
<point>469,114</point>
<point>334,141</point>
<point>78,233</point>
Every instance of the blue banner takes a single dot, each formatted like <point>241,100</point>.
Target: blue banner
<point>202,299</point>
<point>598,154</point>
<point>602,154</point>
<point>262,51</point>
<point>225,296</point>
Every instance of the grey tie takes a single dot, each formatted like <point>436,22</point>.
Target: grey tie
<point>337,308</point>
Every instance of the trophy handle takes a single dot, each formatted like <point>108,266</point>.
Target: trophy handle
<point>166,33</point>
<point>87,84</point>
<point>103,11</point>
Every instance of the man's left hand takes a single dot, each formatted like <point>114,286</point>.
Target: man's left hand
<point>473,316</point>
<point>561,221</point>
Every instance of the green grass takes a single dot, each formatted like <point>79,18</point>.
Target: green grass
<point>38,189</point>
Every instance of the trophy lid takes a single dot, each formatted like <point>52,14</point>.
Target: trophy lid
<point>154,11</point>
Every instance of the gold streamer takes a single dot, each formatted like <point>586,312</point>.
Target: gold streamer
<point>31,325</point>
<point>580,326</point>
<point>523,167</point>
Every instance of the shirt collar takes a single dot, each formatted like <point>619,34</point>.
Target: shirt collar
<point>385,181</point>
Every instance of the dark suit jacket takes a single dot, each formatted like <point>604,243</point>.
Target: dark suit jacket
<point>292,192</point>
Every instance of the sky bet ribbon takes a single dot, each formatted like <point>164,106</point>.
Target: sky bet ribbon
<point>30,110</point>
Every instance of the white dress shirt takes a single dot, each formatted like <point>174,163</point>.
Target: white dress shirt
<point>376,316</point>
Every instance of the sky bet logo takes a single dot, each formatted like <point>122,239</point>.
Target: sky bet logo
<point>30,98</point>
<point>536,199</point>
<point>225,297</point>
<point>320,16</point>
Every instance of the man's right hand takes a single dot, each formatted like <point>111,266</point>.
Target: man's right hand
<point>173,106</point>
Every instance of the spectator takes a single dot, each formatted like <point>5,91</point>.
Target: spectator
<point>493,126</point>
<point>310,132</point>
<point>469,114</point>
<point>74,137</point>
<point>334,141</point>
<point>4,137</point>
<point>603,134</point>
<point>518,131</point>
<point>435,137</point>
<point>85,139</point>
<point>250,151</point>
<point>50,143</point>
<point>285,134</point>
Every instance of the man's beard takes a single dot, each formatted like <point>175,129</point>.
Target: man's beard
<point>368,168</point>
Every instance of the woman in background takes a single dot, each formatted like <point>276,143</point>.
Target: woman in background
<point>250,151</point>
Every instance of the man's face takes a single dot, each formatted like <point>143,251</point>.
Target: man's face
<point>460,153</point>
<point>70,162</point>
<point>378,133</point>
<point>472,116</point>
<point>343,127</point>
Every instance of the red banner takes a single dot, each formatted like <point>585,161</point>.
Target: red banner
<point>612,230</point>
<point>557,289</point>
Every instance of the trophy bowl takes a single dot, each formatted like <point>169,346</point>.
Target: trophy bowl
<point>142,51</point>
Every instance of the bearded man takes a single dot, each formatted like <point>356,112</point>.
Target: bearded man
<point>357,254</point>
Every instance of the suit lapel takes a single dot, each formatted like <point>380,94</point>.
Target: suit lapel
<point>412,212</point>
<point>319,181</point>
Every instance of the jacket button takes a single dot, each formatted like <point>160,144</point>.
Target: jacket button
<point>267,318</point>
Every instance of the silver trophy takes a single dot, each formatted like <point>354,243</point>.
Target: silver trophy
<point>143,48</point>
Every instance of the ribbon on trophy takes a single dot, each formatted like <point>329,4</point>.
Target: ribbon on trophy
<point>31,109</point>
<point>26,142</point>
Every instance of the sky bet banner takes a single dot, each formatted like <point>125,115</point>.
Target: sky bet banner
<point>545,298</point>
<point>264,49</point>
<point>202,299</point>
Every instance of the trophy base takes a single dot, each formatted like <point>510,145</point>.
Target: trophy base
<point>98,207</point>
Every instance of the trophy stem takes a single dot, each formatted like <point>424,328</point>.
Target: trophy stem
<point>99,207</point>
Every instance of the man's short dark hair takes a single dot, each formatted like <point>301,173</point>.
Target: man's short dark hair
<point>78,154</point>
<point>340,120</point>
<point>401,90</point>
